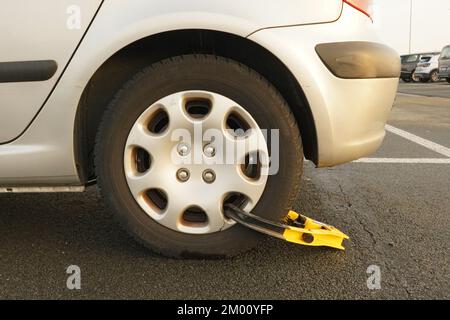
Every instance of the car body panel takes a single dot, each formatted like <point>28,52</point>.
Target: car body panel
<point>48,140</point>
<point>119,24</point>
<point>35,30</point>
<point>44,154</point>
<point>427,64</point>
<point>444,63</point>
<point>349,114</point>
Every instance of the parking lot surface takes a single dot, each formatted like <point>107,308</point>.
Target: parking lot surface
<point>394,205</point>
<point>439,89</point>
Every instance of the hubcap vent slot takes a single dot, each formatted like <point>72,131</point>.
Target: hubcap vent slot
<point>159,122</point>
<point>142,160</point>
<point>157,199</point>
<point>198,108</point>
<point>195,215</point>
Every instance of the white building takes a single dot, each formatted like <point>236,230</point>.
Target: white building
<point>412,26</point>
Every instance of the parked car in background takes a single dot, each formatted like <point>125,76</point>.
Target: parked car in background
<point>444,64</point>
<point>409,64</point>
<point>428,68</point>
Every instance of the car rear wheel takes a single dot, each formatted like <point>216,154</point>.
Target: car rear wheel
<point>434,76</point>
<point>167,185</point>
<point>448,80</point>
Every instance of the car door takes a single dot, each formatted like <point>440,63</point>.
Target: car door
<point>408,63</point>
<point>37,40</point>
<point>444,61</point>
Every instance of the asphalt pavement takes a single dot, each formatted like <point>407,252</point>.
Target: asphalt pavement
<point>395,205</point>
<point>440,89</point>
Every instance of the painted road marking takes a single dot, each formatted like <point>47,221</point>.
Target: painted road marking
<point>404,160</point>
<point>420,141</point>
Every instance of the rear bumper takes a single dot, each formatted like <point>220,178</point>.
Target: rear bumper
<point>422,75</point>
<point>405,74</point>
<point>349,113</point>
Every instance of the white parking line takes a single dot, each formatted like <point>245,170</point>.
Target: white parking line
<point>416,139</point>
<point>404,160</point>
<point>420,141</point>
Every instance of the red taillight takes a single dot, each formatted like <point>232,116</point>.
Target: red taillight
<point>365,6</point>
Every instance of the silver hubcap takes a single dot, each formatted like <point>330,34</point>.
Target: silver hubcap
<point>434,77</point>
<point>183,185</point>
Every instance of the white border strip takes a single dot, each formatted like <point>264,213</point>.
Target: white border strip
<point>404,160</point>
<point>420,141</point>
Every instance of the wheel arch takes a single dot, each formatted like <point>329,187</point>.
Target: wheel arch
<point>434,70</point>
<point>126,62</point>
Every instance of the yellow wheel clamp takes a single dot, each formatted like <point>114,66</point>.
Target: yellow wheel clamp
<point>294,228</point>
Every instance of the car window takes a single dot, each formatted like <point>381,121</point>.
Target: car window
<point>445,53</point>
<point>425,59</point>
<point>410,58</point>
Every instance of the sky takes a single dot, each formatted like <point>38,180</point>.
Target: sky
<point>413,26</point>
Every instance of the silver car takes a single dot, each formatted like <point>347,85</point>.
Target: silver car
<point>428,68</point>
<point>177,108</point>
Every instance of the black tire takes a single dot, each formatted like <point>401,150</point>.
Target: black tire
<point>414,78</point>
<point>434,76</point>
<point>407,80</point>
<point>196,72</point>
<point>448,80</point>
